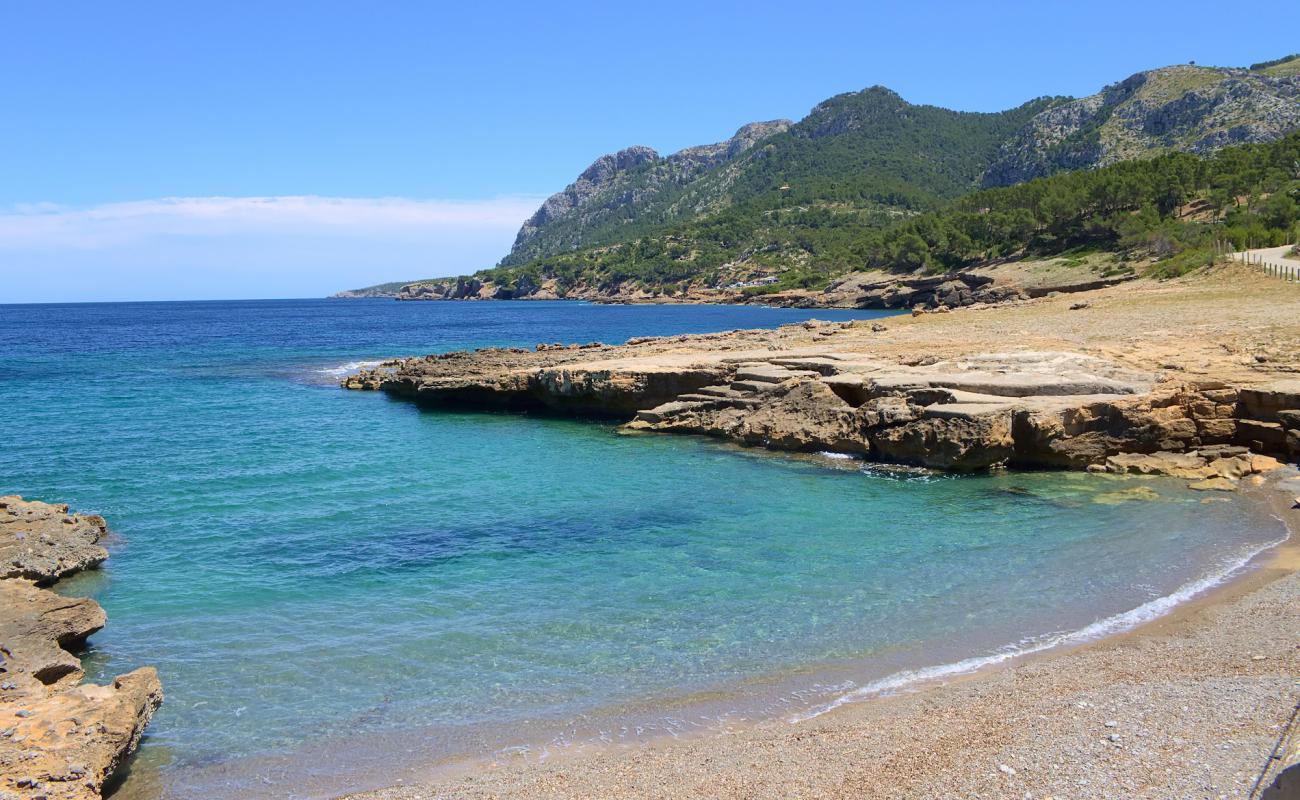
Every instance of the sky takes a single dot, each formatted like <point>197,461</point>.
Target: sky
<point>212,150</point>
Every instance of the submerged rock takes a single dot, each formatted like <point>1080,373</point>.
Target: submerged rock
<point>1213,485</point>
<point>1129,495</point>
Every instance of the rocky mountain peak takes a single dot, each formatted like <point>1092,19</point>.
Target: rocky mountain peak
<point>1182,107</point>
<point>607,166</point>
<point>602,173</point>
<point>635,176</point>
<point>751,134</point>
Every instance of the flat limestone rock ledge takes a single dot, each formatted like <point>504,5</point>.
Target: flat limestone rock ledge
<point>1144,367</point>
<point>59,738</point>
<point>1020,408</point>
<point>43,542</point>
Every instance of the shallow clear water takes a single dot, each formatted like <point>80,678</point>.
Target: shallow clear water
<point>307,565</point>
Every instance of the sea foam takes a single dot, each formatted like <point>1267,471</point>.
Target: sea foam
<point>1108,626</point>
<point>350,367</point>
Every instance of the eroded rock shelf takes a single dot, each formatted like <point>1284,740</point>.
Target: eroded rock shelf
<point>815,387</point>
<point>60,738</point>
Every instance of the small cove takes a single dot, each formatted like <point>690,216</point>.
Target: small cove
<point>306,565</point>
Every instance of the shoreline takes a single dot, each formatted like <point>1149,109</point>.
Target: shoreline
<point>495,776</point>
<point>60,738</point>
<point>750,702</point>
<point>1215,391</point>
<point>559,743</point>
<point>1127,379</point>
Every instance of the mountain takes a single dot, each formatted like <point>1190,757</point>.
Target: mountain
<point>785,205</point>
<point>626,190</point>
<point>1186,108</point>
<point>871,144</point>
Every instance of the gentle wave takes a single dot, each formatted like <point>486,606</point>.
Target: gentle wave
<point>1127,620</point>
<point>351,366</point>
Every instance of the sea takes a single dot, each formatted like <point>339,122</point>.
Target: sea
<point>338,588</point>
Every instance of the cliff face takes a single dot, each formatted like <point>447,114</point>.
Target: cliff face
<point>1187,108</point>
<point>635,181</point>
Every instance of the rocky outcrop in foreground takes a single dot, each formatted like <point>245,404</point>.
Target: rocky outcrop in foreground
<point>59,738</point>
<point>796,389</point>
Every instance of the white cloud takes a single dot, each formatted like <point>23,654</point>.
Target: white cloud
<point>44,225</point>
<point>230,247</point>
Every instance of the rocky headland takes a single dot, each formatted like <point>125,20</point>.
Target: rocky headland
<point>984,386</point>
<point>60,739</point>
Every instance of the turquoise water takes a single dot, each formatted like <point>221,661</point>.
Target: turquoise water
<point>310,568</point>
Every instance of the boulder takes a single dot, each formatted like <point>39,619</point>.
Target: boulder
<point>1262,435</point>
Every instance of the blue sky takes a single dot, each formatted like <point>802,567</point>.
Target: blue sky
<point>399,140</point>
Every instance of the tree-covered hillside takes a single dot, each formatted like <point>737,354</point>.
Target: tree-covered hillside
<point>867,147</point>
<point>1173,209</point>
<point>1177,208</point>
<point>867,180</point>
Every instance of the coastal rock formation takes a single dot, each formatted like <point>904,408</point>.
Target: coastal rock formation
<point>1033,408</point>
<point>1047,381</point>
<point>42,542</point>
<point>1023,409</point>
<point>538,380</point>
<point>379,290</point>
<point>874,289</point>
<point>46,626</point>
<point>59,739</point>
